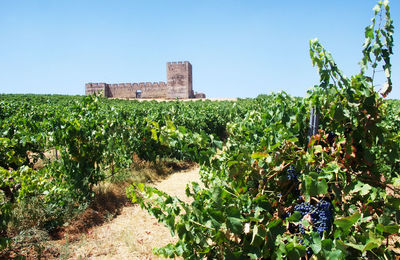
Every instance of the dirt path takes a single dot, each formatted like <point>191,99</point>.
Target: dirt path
<point>133,233</point>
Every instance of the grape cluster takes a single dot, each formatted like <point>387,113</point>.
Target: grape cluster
<point>321,215</point>
<point>291,174</point>
<point>324,217</point>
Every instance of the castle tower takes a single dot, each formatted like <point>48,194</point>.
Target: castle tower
<point>179,80</point>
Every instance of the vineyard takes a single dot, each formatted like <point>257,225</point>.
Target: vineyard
<point>283,177</point>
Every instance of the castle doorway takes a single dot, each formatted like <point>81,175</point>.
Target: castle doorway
<point>138,93</point>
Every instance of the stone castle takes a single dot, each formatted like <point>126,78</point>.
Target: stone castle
<point>178,86</point>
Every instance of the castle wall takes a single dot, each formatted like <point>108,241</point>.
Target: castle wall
<point>129,90</point>
<point>199,95</point>
<point>121,90</point>
<point>154,90</point>
<point>91,88</point>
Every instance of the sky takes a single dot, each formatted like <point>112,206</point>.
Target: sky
<point>238,48</point>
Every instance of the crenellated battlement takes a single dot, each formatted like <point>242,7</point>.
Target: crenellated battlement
<point>179,65</point>
<point>178,85</point>
<point>178,62</point>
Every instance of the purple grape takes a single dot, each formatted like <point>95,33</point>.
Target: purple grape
<point>291,174</point>
<point>321,215</point>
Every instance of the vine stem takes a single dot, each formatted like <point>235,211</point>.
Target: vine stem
<point>374,69</point>
<point>236,195</point>
<point>289,190</point>
<point>273,175</point>
<point>201,225</point>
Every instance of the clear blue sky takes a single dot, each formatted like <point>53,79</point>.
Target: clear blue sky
<point>238,48</point>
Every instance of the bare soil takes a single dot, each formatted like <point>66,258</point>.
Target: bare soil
<point>130,235</point>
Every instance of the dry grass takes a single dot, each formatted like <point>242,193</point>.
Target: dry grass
<point>130,235</point>
<point>111,225</point>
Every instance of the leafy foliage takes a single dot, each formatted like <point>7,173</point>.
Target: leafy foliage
<point>54,149</point>
<point>344,200</point>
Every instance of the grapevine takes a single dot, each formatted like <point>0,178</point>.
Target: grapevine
<point>276,193</point>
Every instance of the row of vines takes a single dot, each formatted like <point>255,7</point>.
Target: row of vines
<point>55,149</point>
<point>271,187</point>
<point>281,189</point>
